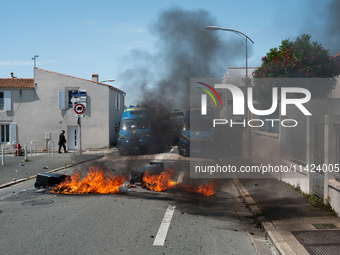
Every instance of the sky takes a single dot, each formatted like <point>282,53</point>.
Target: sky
<point>79,38</point>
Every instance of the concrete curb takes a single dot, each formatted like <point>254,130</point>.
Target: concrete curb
<point>8,184</point>
<point>274,236</point>
<point>254,208</point>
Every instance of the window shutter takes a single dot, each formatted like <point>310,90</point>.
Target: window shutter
<point>7,100</point>
<point>123,100</point>
<point>13,132</point>
<point>62,99</point>
<point>118,101</point>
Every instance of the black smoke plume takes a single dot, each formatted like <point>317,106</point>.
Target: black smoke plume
<point>322,21</point>
<point>332,31</point>
<point>184,49</point>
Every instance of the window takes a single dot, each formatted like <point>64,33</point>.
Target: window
<point>65,96</point>
<point>5,100</point>
<point>69,92</point>
<point>4,133</point>
<point>69,96</point>
<point>117,101</point>
<point>1,100</point>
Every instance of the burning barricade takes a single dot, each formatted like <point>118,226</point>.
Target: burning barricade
<point>163,182</point>
<point>96,181</point>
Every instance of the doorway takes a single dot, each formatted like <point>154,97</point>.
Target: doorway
<point>72,138</point>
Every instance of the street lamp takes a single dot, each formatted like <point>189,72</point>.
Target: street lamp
<point>110,80</point>
<point>244,37</point>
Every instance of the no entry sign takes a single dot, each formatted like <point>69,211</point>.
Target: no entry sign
<point>79,108</point>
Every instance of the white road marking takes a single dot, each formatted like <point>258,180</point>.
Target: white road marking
<point>180,177</point>
<point>163,228</point>
<point>173,148</point>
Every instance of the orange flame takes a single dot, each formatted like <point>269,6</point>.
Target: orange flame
<point>160,182</point>
<point>163,182</point>
<point>94,182</point>
<point>208,190</point>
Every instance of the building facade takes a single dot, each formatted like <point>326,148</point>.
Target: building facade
<point>38,109</point>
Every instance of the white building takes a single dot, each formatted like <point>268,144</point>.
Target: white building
<point>38,109</point>
<point>235,76</point>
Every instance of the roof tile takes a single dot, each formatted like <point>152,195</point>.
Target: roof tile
<point>335,56</point>
<point>16,83</point>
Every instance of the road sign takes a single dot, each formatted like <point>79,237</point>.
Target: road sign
<point>79,108</point>
<point>80,115</point>
<point>79,97</point>
<point>74,100</point>
<point>80,93</point>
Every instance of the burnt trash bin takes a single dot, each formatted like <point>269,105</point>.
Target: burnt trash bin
<point>49,179</point>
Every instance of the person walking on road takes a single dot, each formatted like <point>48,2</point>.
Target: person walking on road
<point>62,141</point>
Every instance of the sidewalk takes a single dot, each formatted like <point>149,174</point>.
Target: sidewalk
<point>286,216</point>
<point>17,170</point>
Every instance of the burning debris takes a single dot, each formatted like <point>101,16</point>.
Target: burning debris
<point>152,177</point>
<point>49,179</point>
<point>94,182</point>
<point>154,168</point>
<point>161,182</point>
<point>158,182</point>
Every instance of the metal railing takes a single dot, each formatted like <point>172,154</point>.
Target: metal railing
<point>35,151</point>
<point>48,148</point>
<point>319,145</point>
<point>3,155</point>
<point>25,152</point>
<point>337,149</point>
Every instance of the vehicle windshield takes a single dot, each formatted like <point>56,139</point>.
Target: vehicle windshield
<point>135,124</point>
<point>198,124</point>
<point>195,121</point>
<point>179,119</point>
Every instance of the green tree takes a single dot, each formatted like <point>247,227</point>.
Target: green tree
<point>296,59</point>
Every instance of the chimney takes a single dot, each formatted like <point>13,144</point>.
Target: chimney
<point>95,77</point>
<point>12,75</point>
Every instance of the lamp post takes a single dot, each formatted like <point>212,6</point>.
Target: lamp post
<point>110,80</point>
<point>244,37</point>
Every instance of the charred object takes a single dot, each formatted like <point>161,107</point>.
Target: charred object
<point>153,168</point>
<point>46,180</point>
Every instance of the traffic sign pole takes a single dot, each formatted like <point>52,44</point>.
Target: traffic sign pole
<point>79,99</point>
<point>79,131</point>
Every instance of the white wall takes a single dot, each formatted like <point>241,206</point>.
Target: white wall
<point>36,111</point>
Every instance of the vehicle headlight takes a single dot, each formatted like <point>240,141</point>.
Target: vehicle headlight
<point>184,139</point>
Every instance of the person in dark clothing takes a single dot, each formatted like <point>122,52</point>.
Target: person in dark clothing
<point>62,141</point>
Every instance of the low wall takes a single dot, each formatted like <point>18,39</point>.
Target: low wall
<point>334,194</point>
<point>265,148</point>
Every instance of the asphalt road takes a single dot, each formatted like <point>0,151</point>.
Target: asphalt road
<point>137,222</point>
